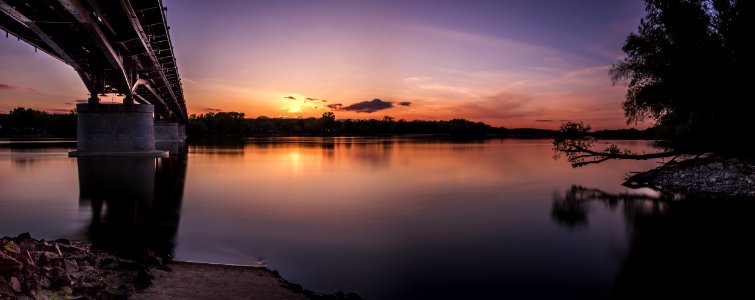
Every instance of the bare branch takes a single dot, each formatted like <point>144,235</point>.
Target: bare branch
<point>575,142</point>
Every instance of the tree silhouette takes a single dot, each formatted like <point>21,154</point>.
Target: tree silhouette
<point>328,120</point>
<point>22,121</point>
<point>688,69</point>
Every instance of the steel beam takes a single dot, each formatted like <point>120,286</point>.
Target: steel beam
<point>52,47</point>
<point>150,52</point>
<point>146,84</point>
<point>77,10</point>
<point>58,52</point>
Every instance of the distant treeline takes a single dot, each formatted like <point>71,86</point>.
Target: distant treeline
<point>235,124</point>
<point>27,122</point>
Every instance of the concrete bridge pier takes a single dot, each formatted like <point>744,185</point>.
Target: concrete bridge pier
<point>169,131</point>
<point>116,130</point>
<point>171,137</point>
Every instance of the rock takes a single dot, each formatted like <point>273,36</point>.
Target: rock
<point>712,179</point>
<point>5,291</point>
<point>67,291</point>
<point>50,256</point>
<point>44,282</point>
<point>11,247</point>
<point>39,269</point>
<point>30,263</point>
<point>23,237</point>
<point>15,285</point>
<point>71,249</point>
<point>60,282</point>
<point>733,174</point>
<point>153,259</point>
<point>55,249</point>
<point>716,165</point>
<point>88,269</point>
<point>108,263</point>
<point>44,295</point>
<point>71,265</point>
<point>9,264</point>
<point>51,247</point>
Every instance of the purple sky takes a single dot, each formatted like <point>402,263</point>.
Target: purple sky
<point>507,63</point>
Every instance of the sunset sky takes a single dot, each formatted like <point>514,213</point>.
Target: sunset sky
<point>507,63</point>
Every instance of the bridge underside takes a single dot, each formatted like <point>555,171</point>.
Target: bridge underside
<point>116,46</point>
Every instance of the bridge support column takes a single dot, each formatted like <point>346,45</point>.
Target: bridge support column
<point>170,137</point>
<point>116,130</point>
<point>167,131</point>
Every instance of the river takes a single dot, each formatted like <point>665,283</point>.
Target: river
<point>390,218</point>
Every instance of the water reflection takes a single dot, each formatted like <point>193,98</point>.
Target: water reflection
<point>571,209</point>
<point>135,201</point>
<point>23,154</point>
<point>695,247</point>
<point>385,217</point>
<point>399,218</point>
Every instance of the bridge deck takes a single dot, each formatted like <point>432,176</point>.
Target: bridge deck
<point>116,46</point>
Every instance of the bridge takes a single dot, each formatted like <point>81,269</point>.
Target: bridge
<point>117,47</point>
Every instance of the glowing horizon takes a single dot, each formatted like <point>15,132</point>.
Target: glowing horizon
<point>504,63</point>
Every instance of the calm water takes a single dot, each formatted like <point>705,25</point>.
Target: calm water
<point>391,218</point>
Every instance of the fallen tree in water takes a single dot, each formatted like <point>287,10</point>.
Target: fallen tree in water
<point>576,143</point>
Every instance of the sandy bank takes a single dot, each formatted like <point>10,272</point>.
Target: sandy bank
<point>185,280</point>
<point>63,269</point>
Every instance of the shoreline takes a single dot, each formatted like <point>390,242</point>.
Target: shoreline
<point>707,175</point>
<point>64,269</point>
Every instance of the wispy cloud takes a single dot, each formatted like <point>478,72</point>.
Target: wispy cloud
<point>209,109</point>
<point>312,99</point>
<point>416,79</point>
<point>13,87</point>
<point>7,87</point>
<point>503,105</point>
<point>476,38</point>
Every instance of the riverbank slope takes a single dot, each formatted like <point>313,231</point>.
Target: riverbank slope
<point>709,175</point>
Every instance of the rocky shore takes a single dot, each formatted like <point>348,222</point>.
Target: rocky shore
<point>709,175</point>
<point>63,269</point>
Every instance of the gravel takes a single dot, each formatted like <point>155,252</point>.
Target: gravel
<point>708,175</point>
